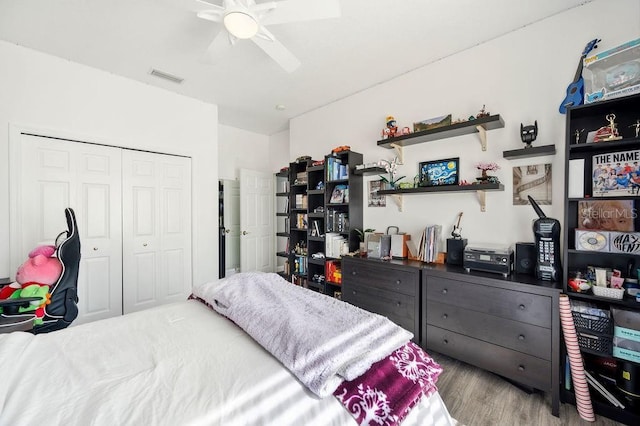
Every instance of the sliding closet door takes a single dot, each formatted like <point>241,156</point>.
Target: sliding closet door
<point>49,175</point>
<point>156,229</point>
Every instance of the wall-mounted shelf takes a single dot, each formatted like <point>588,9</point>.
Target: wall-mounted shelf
<point>534,151</point>
<point>480,189</point>
<point>479,125</point>
<point>369,171</point>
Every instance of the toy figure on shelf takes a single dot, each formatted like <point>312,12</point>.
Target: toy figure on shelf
<point>483,113</point>
<point>391,130</point>
<point>608,133</point>
<point>529,133</point>
<point>637,127</point>
<point>577,134</point>
<point>484,178</point>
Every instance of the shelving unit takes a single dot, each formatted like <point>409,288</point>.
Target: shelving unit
<point>480,189</point>
<point>282,223</point>
<point>479,126</point>
<point>369,171</point>
<point>581,212</point>
<point>337,211</point>
<point>315,237</point>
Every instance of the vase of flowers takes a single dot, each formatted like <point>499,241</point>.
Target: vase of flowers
<point>391,168</point>
<point>484,168</point>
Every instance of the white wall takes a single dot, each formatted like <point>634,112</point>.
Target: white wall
<point>522,76</point>
<point>241,149</point>
<point>44,92</point>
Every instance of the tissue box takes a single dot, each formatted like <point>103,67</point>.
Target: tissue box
<point>613,73</point>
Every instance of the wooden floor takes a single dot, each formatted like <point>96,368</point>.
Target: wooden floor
<point>477,398</point>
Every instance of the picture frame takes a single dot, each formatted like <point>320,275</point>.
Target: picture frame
<point>439,172</point>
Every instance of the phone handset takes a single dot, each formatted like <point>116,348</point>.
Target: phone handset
<point>547,235</point>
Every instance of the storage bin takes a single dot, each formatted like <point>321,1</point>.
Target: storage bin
<point>593,323</point>
<point>596,343</point>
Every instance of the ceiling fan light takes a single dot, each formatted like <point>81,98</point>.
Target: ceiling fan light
<point>241,24</point>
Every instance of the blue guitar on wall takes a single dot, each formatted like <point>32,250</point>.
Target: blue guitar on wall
<point>575,90</point>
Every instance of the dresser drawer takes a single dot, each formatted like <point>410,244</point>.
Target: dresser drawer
<point>522,368</point>
<point>516,305</point>
<point>398,307</point>
<point>519,336</point>
<point>381,276</point>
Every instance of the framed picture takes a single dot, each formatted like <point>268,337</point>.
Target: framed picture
<point>439,172</point>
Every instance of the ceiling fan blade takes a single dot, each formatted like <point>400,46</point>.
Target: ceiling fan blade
<point>220,45</point>
<point>278,52</point>
<point>302,10</point>
<point>211,15</point>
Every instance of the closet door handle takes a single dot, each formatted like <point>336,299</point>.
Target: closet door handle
<point>244,232</point>
<point>95,249</point>
<point>144,244</point>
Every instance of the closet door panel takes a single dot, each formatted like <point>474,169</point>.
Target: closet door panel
<point>53,174</point>
<point>157,220</point>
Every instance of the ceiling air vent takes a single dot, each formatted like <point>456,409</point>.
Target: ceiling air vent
<point>166,76</point>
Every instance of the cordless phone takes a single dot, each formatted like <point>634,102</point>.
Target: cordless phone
<point>547,234</point>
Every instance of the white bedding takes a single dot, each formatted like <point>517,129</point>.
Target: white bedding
<point>171,365</point>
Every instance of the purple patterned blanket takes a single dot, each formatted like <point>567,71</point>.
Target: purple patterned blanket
<point>386,393</point>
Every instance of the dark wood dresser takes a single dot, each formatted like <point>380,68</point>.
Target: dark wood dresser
<point>509,326</point>
<point>391,289</point>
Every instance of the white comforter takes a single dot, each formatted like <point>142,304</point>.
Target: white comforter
<point>172,365</point>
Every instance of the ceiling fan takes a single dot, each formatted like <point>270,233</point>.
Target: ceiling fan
<point>246,19</point>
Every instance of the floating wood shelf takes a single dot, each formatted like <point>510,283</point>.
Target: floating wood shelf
<point>479,125</point>
<point>480,189</point>
<point>534,151</point>
<point>369,171</point>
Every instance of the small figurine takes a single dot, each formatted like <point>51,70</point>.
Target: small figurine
<point>483,113</point>
<point>529,133</point>
<point>608,133</point>
<point>637,126</point>
<point>391,129</point>
<point>578,133</point>
<point>457,231</point>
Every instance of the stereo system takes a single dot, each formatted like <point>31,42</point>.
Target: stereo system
<point>497,259</point>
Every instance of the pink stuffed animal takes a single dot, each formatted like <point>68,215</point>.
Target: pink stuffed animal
<point>40,269</point>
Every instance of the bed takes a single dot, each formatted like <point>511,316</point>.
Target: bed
<point>176,364</point>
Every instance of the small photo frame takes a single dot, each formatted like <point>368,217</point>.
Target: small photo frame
<point>439,172</point>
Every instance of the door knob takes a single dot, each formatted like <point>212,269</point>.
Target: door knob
<point>244,232</point>
<point>226,231</point>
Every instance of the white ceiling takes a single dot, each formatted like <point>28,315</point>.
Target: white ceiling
<point>373,41</point>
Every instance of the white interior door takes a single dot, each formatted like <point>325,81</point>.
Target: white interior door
<point>52,174</point>
<point>231,201</point>
<point>157,229</point>
<point>256,221</point>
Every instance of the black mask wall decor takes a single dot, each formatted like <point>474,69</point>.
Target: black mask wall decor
<point>529,133</point>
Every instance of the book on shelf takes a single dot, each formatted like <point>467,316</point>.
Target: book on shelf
<point>338,194</point>
<point>429,243</point>
<point>616,174</point>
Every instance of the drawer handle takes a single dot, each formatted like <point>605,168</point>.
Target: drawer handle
<point>445,316</point>
<point>354,292</point>
<point>398,304</point>
<point>354,273</point>
<point>444,291</point>
<point>446,342</point>
<point>522,307</point>
<point>521,368</point>
<point>521,337</point>
<point>398,282</point>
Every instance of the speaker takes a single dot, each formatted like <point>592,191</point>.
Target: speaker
<point>526,258</point>
<point>455,250</point>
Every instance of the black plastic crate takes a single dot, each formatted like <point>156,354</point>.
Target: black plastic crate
<point>596,343</point>
<point>592,323</point>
